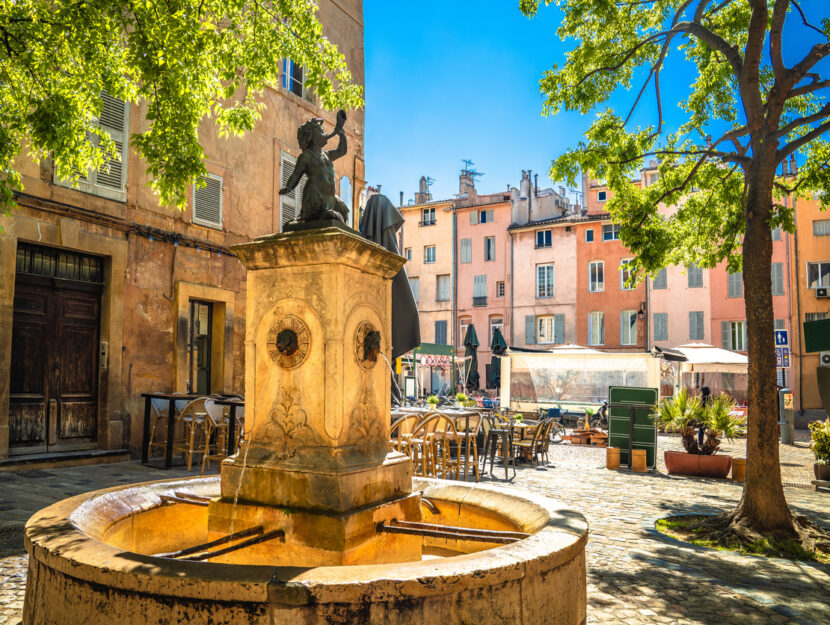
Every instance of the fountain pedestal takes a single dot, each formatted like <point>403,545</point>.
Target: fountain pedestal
<point>316,461</point>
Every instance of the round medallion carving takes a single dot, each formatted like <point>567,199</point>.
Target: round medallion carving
<point>367,345</point>
<point>289,342</point>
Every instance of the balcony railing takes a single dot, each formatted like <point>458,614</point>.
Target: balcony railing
<point>427,222</point>
<point>480,301</point>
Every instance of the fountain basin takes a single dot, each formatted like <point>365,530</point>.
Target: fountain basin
<point>90,562</point>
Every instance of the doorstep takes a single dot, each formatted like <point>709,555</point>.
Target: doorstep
<point>56,460</point>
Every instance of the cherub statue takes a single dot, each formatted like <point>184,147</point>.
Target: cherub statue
<point>319,199</point>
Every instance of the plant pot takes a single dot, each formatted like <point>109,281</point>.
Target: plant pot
<point>681,463</point>
<point>638,460</point>
<point>822,472</point>
<point>612,458</point>
<point>738,469</point>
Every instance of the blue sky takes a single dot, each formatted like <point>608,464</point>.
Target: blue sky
<point>447,81</point>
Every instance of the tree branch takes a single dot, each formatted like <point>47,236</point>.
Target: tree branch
<point>788,149</point>
<point>804,19</point>
<point>813,86</point>
<point>808,119</point>
<point>776,29</point>
<point>716,42</point>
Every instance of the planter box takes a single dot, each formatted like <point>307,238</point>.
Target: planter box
<point>681,463</point>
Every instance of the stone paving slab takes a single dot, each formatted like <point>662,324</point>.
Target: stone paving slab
<point>634,577</point>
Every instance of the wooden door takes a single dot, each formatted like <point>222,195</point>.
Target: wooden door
<point>54,368</point>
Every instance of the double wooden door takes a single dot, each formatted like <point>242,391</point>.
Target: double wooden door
<point>54,368</point>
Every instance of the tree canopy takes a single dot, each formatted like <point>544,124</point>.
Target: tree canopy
<point>185,61</point>
<point>749,106</point>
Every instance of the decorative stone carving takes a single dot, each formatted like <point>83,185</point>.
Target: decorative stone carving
<point>367,345</point>
<point>288,429</point>
<point>288,342</point>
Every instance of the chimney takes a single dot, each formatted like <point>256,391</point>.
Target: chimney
<point>793,165</point>
<point>536,184</point>
<point>785,170</point>
<point>401,204</point>
<point>466,183</point>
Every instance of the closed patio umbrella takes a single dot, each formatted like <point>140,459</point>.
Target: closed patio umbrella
<point>470,349</point>
<point>498,346</point>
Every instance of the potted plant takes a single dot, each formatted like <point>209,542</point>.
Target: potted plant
<point>685,415</point>
<point>433,400</point>
<point>461,399</point>
<point>820,444</point>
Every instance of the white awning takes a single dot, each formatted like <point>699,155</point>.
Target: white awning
<point>703,358</point>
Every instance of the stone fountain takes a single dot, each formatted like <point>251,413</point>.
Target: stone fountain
<point>317,519</point>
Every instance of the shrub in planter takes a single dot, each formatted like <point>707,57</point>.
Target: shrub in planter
<point>433,400</point>
<point>820,444</point>
<point>685,414</point>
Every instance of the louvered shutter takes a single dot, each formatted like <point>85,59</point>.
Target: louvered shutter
<point>559,328</point>
<point>473,217</point>
<point>778,278</point>
<point>290,203</point>
<point>530,329</point>
<point>207,202</point>
<point>113,119</point>
<point>724,334</point>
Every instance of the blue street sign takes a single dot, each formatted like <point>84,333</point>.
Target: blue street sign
<point>781,338</point>
<point>782,357</point>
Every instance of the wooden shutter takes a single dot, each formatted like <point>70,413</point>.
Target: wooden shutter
<point>559,328</point>
<point>290,203</point>
<point>207,202</point>
<point>530,329</point>
<point>724,334</point>
<point>778,278</point>
<point>473,218</point>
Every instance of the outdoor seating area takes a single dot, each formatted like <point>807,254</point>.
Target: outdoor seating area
<point>205,428</point>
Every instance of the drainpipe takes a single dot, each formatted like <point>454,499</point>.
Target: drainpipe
<point>798,325</point>
<point>786,236</point>
<point>454,313</point>
<point>646,314</point>
<point>512,318</point>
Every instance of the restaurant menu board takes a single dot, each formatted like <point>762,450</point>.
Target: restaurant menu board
<point>622,400</point>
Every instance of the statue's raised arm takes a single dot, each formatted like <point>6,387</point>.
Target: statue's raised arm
<point>342,145</point>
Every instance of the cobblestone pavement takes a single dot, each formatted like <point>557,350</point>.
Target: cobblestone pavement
<point>633,577</point>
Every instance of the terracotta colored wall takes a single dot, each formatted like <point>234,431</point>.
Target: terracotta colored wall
<point>526,257</point>
<point>497,270</point>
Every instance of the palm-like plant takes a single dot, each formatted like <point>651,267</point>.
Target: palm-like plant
<point>684,414</point>
<point>680,414</point>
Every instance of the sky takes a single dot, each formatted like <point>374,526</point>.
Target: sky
<point>447,81</point>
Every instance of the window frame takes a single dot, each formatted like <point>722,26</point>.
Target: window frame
<point>489,246</point>
<point>438,290</point>
<point>550,286</point>
<point>602,196</point>
<point>733,325</point>
<point>600,316</point>
<point>429,259</point>
<point>204,222</point>
<point>542,320</point>
<point>632,314</point>
<point>601,264</point>
<point>623,264</point>
<point>613,230</point>
<point>547,238</point>
<point>589,235</point>
<point>819,265</point>
<point>821,224</point>
<point>500,288</point>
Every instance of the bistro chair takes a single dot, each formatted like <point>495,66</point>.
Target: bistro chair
<point>443,440</point>
<point>536,446</point>
<point>468,441</point>
<point>500,440</point>
<point>401,432</point>
<point>159,408</point>
<point>192,420</point>
<point>215,434</point>
<point>421,448</point>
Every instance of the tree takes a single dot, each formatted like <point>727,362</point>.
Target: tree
<point>725,194</point>
<point>184,60</point>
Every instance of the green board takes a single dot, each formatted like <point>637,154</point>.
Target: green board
<point>621,399</point>
<point>817,335</point>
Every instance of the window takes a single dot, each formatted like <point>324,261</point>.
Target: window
<point>544,280</point>
<point>611,232</point>
<point>429,254</point>
<point>499,289</point>
<point>660,321</point>
<point>408,253</point>
<point>734,335</point>
<point>821,227</point>
<point>776,232</point>
<point>818,275</point>
<point>602,196</point>
<point>735,284</point>
<point>479,290</point>
<point>293,78</point>
<point>496,323</point>
<point>346,196</point>
<point>628,327</point>
<point>625,276</point>
<point>463,324</point>
<point>589,235</point>
<point>596,328</point>
<point>550,329</point>
<point>199,347</point>
<point>659,282</point>
<point>414,284</point>
<point>779,324</point>
<point>441,332</point>
<point>489,248</point>
<point>596,276</point>
<point>696,329</point>
<point>207,202</point>
<point>816,316</point>
<point>466,250</point>
<point>543,238</point>
<point>111,179</point>
<point>481,217</point>
<point>695,276</point>
<point>290,203</point>
<point>428,216</point>
<point>778,278</point>
<point>442,288</point>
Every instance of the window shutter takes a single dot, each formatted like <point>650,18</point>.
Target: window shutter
<point>559,328</point>
<point>692,326</point>
<point>207,202</point>
<point>473,218</point>
<point>290,203</point>
<point>724,333</point>
<point>778,278</point>
<point>530,329</point>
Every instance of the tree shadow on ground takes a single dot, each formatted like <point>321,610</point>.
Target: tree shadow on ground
<point>11,542</point>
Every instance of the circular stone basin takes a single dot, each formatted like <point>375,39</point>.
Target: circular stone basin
<point>90,562</point>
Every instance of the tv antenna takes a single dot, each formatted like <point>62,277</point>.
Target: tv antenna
<point>429,181</point>
<point>468,169</point>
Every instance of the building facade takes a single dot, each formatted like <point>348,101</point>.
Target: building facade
<point>106,295</point>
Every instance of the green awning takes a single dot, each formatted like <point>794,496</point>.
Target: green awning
<point>434,349</point>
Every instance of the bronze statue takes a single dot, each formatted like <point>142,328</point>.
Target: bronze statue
<point>319,199</point>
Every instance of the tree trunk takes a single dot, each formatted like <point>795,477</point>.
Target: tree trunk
<point>762,505</point>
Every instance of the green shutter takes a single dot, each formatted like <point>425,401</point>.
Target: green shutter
<point>559,328</point>
<point>530,329</point>
<point>724,333</point>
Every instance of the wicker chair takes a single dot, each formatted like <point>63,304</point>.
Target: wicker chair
<point>215,434</point>
<point>468,440</point>
<point>536,446</point>
<point>401,432</point>
<point>192,420</point>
